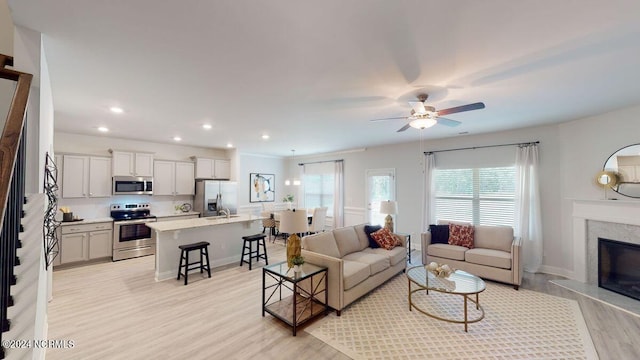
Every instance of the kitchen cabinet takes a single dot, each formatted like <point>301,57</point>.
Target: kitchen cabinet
<point>132,164</point>
<point>173,178</point>
<point>86,176</point>
<point>85,242</point>
<point>213,168</point>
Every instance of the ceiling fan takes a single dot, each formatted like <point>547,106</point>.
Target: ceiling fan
<point>424,116</point>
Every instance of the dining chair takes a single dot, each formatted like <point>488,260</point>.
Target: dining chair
<point>318,220</point>
<point>269,223</point>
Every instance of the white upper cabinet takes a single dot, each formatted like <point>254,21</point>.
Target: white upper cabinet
<point>75,173</point>
<point>99,177</point>
<point>213,168</point>
<point>173,178</point>
<point>86,176</point>
<point>185,181</point>
<point>132,164</point>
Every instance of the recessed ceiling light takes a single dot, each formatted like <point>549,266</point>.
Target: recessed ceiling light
<point>103,129</point>
<point>177,138</point>
<point>207,126</point>
<point>229,145</point>
<point>265,136</point>
<point>116,110</point>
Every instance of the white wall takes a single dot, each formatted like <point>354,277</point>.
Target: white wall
<point>6,29</point>
<point>585,146</point>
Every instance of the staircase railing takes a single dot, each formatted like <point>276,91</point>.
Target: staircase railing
<point>12,183</point>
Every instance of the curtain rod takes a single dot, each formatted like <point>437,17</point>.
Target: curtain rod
<point>481,147</point>
<point>319,162</point>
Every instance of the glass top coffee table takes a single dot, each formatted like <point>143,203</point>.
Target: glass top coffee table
<point>458,283</point>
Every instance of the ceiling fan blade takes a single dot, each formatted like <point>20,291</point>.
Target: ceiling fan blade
<point>404,128</point>
<point>447,122</point>
<point>457,109</point>
<point>385,119</point>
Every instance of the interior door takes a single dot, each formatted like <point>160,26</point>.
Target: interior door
<point>381,186</point>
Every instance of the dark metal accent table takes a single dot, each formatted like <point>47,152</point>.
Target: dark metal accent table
<point>302,290</point>
<point>408,236</point>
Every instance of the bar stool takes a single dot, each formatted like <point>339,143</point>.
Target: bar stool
<point>258,239</point>
<point>184,259</point>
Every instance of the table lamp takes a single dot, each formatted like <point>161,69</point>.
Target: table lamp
<point>293,222</point>
<point>390,208</point>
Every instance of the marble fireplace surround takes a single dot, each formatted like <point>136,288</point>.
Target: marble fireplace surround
<point>611,219</point>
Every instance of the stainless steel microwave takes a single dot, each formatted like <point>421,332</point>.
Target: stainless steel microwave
<point>132,185</point>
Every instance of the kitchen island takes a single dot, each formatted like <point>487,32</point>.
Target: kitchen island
<point>224,234</point>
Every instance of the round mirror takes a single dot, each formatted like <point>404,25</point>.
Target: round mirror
<point>624,164</point>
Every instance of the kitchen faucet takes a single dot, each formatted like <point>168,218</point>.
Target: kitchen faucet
<point>225,212</point>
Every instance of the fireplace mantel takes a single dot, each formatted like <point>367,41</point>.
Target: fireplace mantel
<point>614,211</point>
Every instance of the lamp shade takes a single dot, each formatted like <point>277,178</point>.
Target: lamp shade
<point>388,207</point>
<point>293,222</point>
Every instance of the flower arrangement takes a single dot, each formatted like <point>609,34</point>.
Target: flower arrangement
<point>288,198</point>
<point>297,260</point>
<point>440,270</point>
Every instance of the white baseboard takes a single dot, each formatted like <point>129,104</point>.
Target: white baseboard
<point>552,270</point>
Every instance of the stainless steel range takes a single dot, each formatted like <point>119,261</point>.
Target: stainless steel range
<point>131,237</point>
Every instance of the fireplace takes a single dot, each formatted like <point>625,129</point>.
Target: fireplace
<point>619,267</point>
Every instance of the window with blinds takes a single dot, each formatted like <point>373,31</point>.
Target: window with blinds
<point>318,191</point>
<point>483,196</point>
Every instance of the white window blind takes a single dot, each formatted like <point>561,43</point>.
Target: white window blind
<point>318,186</point>
<point>481,196</point>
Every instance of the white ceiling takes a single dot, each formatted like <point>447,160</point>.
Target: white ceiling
<point>311,74</point>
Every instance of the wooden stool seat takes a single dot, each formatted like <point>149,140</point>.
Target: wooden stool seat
<point>184,259</point>
<point>249,240</point>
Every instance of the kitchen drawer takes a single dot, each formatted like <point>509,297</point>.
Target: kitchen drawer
<point>71,229</point>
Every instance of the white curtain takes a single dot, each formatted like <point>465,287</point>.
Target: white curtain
<point>428,200</point>
<point>528,222</point>
<point>338,195</point>
<point>300,189</point>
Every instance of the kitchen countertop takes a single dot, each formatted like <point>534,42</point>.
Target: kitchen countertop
<point>201,222</point>
<point>87,221</point>
<point>176,214</point>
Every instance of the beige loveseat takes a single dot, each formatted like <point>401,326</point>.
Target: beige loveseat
<point>354,268</point>
<point>496,255</point>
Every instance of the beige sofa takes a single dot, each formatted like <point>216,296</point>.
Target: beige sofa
<point>354,268</point>
<point>497,254</point>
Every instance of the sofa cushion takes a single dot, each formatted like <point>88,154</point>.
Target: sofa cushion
<point>385,239</point>
<point>354,273</point>
<point>489,257</point>
<point>453,252</point>
<point>395,255</point>
<point>362,235</point>
<point>369,229</point>
<point>376,262</point>
<point>494,237</point>
<point>323,243</point>
<point>461,235</point>
<point>439,234</point>
<point>347,240</point>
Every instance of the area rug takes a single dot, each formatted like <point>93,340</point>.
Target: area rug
<point>519,324</point>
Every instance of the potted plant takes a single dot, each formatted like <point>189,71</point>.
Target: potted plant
<point>288,199</point>
<point>297,261</point>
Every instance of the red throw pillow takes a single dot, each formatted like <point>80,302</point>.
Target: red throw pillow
<point>385,239</point>
<point>461,235</point>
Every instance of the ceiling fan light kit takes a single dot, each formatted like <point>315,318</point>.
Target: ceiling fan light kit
<point>422,123</point>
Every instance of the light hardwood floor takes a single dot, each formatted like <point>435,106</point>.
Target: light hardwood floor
<point>117,311</point>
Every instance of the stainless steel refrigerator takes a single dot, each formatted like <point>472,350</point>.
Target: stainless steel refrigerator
<point>214,195</point>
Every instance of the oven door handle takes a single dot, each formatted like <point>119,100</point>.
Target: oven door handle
<point>129,222</point>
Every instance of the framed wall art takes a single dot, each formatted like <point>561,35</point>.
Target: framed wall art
<point>262,187</point>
